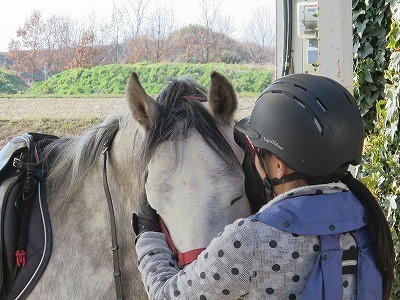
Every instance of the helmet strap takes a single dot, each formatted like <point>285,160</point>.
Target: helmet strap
<point>269,190</point>
<point>286,178</point>
<point>270,183</point>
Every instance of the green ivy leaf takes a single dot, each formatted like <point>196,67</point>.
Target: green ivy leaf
<point>392,42</point>
<point>391,104</point>
<point>361,27</point>
<point>368,77</point>
<point>368,49</point>
<point>395,61</point>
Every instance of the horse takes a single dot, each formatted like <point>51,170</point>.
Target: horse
<point>180,148</point>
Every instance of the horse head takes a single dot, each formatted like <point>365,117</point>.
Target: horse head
<point>194,178</point>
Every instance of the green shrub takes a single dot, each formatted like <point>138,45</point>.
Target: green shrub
<point>111,79</point>
<point>11,84</point>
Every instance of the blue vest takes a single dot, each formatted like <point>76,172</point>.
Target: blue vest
<point>327,216</point>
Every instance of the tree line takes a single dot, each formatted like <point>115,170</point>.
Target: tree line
<point>44,47</point>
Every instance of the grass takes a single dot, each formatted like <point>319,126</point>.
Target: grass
<point>11,84</point>
<point>30,96</point>
<point>59,127</point>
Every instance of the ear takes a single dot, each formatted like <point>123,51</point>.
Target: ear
<point>222,98</point>
<point>280,167</point>
<point>142,106</point>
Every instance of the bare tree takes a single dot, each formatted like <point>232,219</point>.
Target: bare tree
<point>58,43</point>
<point>116,26</point>
<point>25,50</point>
<point>86,47</point>
<point>135,15</point>
<point>260,35</point>
<point>213,22</point>
<point>211,18</point>
<point>140,49</point>
<point>161,26</point>
<point>90,26</point>
<point>86,54</point>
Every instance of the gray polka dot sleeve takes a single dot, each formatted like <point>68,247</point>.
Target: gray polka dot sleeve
<point>217,273</point>
<point>249,260</point>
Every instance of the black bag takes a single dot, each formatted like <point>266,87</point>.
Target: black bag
<point>20,171</point>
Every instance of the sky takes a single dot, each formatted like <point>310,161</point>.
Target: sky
<point>14,13</point>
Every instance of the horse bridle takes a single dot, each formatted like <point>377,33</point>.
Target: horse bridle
<point>183,258</point>
<point>114,245</point>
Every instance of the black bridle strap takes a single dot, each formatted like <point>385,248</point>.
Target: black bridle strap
<point>114,246</point>
<point>285,179</point>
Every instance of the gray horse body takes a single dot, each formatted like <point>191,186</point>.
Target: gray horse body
<point>81,265</point>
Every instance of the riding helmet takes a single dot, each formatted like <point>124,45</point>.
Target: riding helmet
<point>310,122</point>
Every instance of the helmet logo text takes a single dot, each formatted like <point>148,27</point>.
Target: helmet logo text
<point>270,141</point>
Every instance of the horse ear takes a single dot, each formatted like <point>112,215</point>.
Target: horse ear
<point>222,98</point>
<point>143,107</point>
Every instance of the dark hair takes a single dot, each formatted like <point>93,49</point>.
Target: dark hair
<point>380,232</point>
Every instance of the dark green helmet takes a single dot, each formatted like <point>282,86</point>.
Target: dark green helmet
<point>310,122</point>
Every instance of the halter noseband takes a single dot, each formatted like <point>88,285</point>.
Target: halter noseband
<point>184,258</point>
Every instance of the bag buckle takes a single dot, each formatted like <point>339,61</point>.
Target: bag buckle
<point>17,163</point>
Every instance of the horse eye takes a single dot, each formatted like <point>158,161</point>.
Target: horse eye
<point>236,199</point>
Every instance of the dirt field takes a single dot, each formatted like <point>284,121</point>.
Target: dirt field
<point>65,116</point>
<point>59,108</point>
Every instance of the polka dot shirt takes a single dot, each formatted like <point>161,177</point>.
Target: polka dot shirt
<point>249,260</point>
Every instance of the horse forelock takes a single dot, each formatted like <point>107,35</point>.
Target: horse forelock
<point>178,113</point>
<point>70,159</point>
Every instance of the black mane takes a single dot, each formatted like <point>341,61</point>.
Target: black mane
<point>180,109</point>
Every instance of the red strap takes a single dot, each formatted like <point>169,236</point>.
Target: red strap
<point>253,151</point>
<point>183,258</point>
<point>20,258</point>
<point>189,256</point>
<point>170,243</point>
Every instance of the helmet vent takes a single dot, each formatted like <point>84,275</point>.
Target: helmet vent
<point>321,105</point>
<point>299,101</point>
<point>318,124</point>
<point>301,87</point>
<point>275,92</point>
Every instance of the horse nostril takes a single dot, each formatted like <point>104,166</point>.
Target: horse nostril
<point>236,199</point>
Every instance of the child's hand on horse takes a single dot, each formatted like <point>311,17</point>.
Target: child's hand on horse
<point>146,219</point>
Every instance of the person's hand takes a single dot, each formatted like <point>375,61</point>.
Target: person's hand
<point>146,219</point>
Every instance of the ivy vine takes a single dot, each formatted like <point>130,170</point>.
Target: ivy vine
<point>376,39</point>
